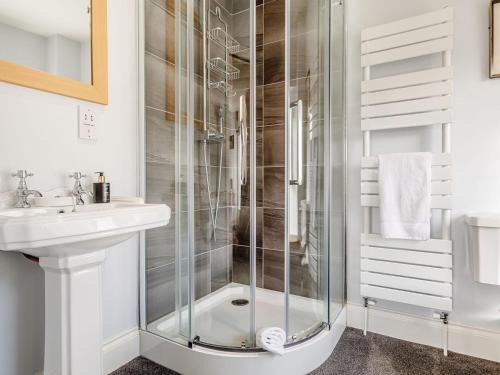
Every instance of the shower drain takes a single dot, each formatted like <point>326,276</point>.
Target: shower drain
<point>239,302</point>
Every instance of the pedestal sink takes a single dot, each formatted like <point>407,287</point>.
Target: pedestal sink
<point>70,246</point>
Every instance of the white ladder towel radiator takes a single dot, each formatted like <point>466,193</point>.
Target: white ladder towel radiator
<point>411,272</point>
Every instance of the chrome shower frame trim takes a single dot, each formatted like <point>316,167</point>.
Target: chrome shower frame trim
<point>313,332</point>
<point>141,148</point>
<point>190,163</point>
<point>287,174</point>
<point>253,173</point>
<point>327,157</point>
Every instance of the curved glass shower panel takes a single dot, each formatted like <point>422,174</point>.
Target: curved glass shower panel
<point>172,122</point>
<point>308,148</point>
<point>223,304</point>
<point>239,145</point>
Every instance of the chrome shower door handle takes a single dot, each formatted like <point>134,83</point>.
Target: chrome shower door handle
<point>295,145</point>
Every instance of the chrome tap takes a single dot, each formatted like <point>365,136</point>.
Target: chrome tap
<point>78,190</point>
<point>22,189</point>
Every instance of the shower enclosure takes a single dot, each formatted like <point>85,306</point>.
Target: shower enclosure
<point>245,141</point>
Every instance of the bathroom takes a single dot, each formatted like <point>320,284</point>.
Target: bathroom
<point>210,155</point>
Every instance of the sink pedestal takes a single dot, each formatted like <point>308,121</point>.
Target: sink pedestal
<point>73,314</point>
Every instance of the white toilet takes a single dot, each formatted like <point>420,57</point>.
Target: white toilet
<point>484,245</point>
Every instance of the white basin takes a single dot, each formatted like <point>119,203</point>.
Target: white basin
<point>50,231</point>
<point>71,249</point>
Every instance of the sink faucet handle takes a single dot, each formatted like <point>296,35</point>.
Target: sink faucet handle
<point>77,175</point>
<point>22,173</point>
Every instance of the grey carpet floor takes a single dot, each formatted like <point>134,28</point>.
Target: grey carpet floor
<point>370,355</point>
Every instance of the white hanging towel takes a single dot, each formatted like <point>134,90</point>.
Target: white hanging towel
<point>404,182</point>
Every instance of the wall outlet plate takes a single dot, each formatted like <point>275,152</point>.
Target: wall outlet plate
<point>87,123</point>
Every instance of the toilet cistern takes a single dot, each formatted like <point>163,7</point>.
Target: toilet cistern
<point>484,246</point>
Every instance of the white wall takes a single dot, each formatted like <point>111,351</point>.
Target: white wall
<point>38,132</point>
<point>475,145</point>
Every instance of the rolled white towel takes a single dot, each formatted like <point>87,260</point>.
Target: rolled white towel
<point>272,339</point>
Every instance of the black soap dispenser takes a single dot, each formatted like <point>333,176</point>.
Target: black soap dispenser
<point>102,190</point>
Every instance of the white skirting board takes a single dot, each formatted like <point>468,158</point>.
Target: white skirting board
<point>462,339</point>
<point>121,350</point>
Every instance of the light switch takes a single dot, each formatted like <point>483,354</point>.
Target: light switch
<point>87,127</point>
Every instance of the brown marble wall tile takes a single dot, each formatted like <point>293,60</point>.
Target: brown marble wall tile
<point>198,53</point>
<point>221,267</point>
<point>274,270</point>
<point>274,21</point>
<point>241,27</point>
<point>304,55</point>
<point>200,191</point>
<point>274,227</point>
<point>245,193</point>
<point>274,104</point>
<point>241,60</point>
<point>160,84</point>
<point>274,62</point>
<point>160,31</point>
<point>202,231</point>
<point>160,136</point>
<point>259,105</point>
<point>274,145</point>
<point>224,228</point>
<point>241,5</point>
<point>168,5</point>
<point>160,249</point>
<point>304,16</point>
<point>224,194</point>
<point>259,24</point>
<point>202,275</point>
<point>241,265</point>
<point>160,180</point>
<point>274,187</point>
<point>259,147</point>
<point>302,282</point>
<point>160,292</point>
<point>241,234</point>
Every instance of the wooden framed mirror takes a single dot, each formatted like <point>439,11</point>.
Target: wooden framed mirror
<point>58,46</point>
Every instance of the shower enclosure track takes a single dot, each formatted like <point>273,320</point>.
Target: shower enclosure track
<point>197,342</point>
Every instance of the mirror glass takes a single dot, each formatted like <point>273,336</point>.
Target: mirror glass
<point>49,35</point>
